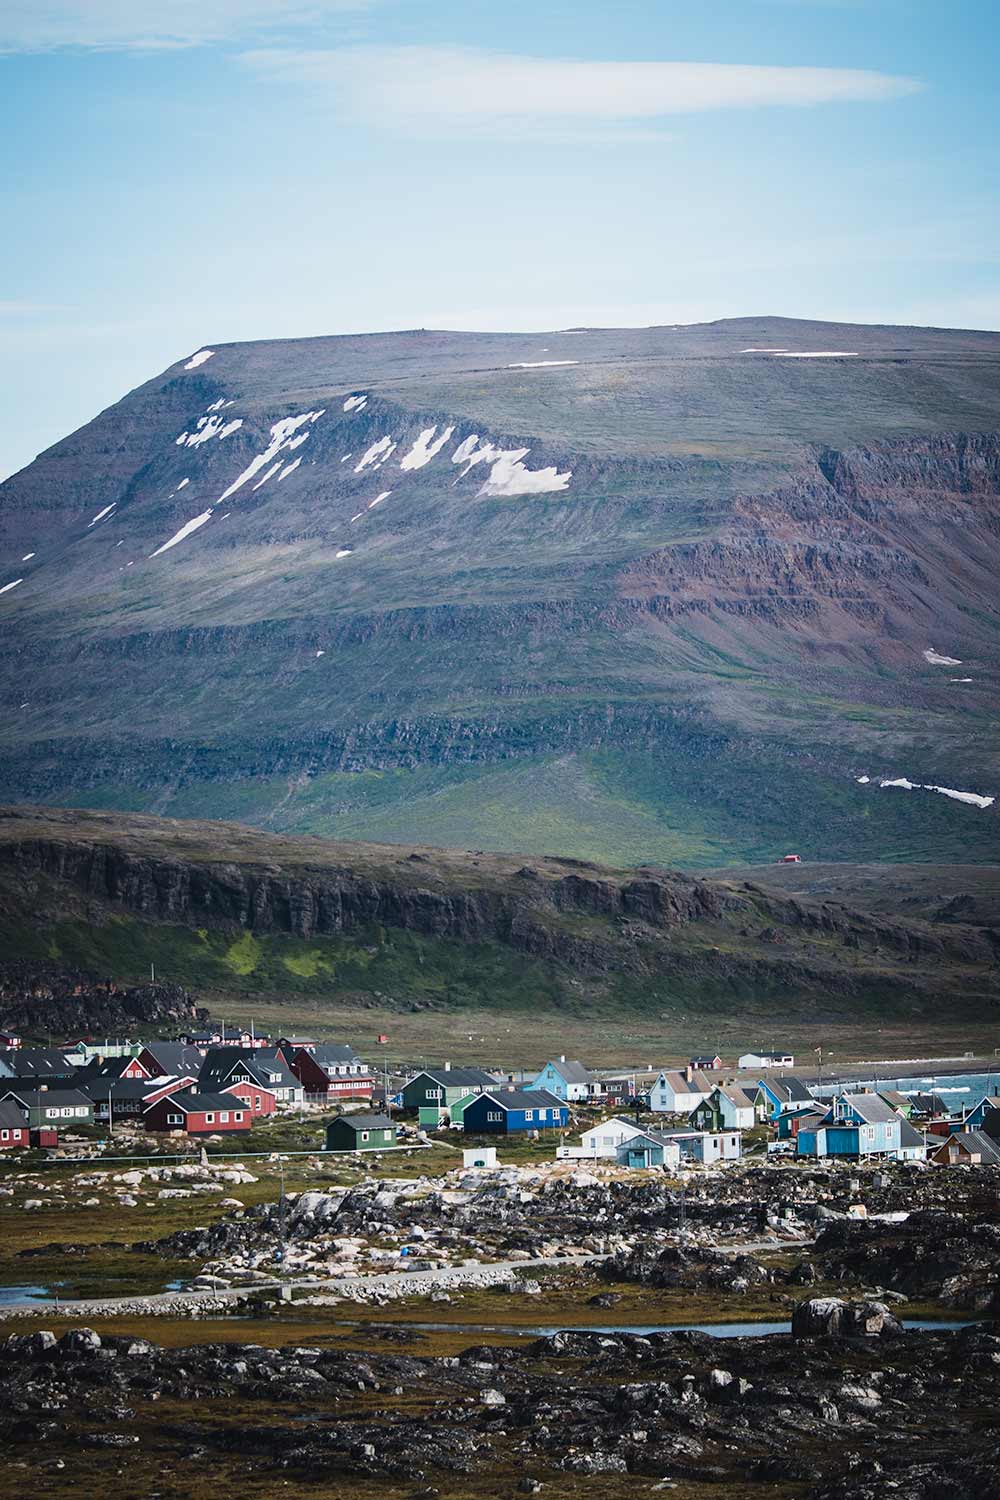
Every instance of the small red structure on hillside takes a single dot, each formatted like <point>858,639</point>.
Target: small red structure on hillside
<point>790,859</point>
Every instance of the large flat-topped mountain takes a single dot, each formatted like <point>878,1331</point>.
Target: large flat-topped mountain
<point>687,594</point>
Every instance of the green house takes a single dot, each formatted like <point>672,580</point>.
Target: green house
<point>437,1090</point>
<point>360,1133</point>
<point>52,1109</point>
<point>431,1115</point>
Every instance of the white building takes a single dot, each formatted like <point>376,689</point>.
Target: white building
<point>679,1093</point>
<point>766,1060</point>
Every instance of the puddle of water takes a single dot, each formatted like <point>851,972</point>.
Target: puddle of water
<point>717,1330</point>
<point>10,1294</point>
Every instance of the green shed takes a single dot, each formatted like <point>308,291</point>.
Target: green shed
<point>360,1133</point>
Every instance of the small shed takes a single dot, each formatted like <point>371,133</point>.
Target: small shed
<point>360,1133</point>
<point>482,1156</point>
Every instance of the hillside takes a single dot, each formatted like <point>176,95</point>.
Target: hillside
<point>635,595</point>
<point>228,910</point>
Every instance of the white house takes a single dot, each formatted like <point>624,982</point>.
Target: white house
<point>678,1093</point>
<point>568,1080</point>
<point>766,1060</point>
<point>726,1108</point>
<point>601,1140</point>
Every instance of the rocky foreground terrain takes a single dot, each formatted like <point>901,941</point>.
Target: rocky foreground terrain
<point>852,1402</point>
<point>918,1235</point>
<point>850,1408</point>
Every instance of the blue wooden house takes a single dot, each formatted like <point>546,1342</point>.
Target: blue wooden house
<point>975,1117</point>
<point>777,1096</point>
<point>568,1079</point>
<point>855,1125</point>
<point>509,1110</point>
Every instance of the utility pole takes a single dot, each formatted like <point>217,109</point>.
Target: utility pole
<point>819,1075</point>
<point>281,1212</point>
<point>152,973</point>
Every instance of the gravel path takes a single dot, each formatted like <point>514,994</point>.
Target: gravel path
<point>380,1284</point>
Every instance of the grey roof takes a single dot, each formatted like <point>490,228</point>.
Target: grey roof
<point>10,1116</point>
<point>33,1098</point>
<point>872,1109</point>
<point>572,1071</point>
<point>976,1141</point>
<point>332,1052</point>
<point>908,1136</point>
<point>794,1089</point>
<point>894,1097</point>
<point>365,1122</point>
<point>524,1098</point>
<point>175,1057</point>
<point>735,1095</point>
<point>456,1077</point>
<point>98,1089</point>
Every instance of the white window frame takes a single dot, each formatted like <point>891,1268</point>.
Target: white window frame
<point>237,1115</point>
<point>175,1119</point>
<point>209,1117</point>
<point>364,1135</point>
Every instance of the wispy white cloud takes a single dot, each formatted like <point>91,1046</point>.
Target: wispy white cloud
<point>110,25</point>
<point>472,89</point>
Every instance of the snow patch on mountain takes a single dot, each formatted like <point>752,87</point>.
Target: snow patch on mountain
<point>508,476</point>
<point>289,469</point>
<point>199,359</point>
<point>937,660</point>
<point>424,450</point>
<point>903,783</point>
<point>208,428</point>
<point>542,364</point>
<point>377,453</point>
<point>12,585</point>
<point>379,498</point>
<point>185,531</point>
<point>355,403</point>
<point>282,436</point>
<point>271,471</point>
<point>101,514</point>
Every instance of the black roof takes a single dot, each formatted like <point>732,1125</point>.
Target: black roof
<point>45,1062</point>
<point>524,1098</point>
<point>175,1057</point>
<point>196,1103</point>
<point>365,1122</point>
<point>32,1098</point>
<point>457,1078</point>
<point>10,1116</point>
<point>331,1052</point>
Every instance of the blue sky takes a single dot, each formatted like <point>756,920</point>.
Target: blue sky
<point>188,172</point>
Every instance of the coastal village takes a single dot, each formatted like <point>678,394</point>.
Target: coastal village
<point>298,1265</point>
<point>216,1085</point>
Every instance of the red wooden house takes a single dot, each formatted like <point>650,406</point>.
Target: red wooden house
<point>13,1127</point>
<point>199,1114</point>
<point>258,1100</point>
<point>328,1071</point>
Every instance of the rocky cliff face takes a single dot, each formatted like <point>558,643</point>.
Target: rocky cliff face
<point>636,927</point>
<point>743,584</point>
<point>36,999</point>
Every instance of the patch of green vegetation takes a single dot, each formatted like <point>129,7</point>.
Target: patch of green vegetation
<point>244,955</point>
